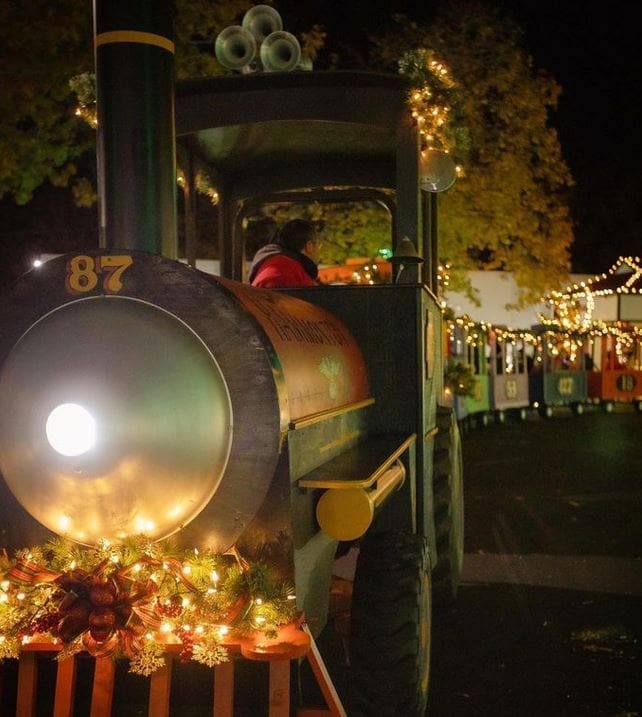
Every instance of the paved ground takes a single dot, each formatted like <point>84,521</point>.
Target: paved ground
<point>549,618</point>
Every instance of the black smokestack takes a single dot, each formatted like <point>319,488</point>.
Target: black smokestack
<point>136,140</point>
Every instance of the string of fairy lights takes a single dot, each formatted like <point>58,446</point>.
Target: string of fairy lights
<point>572,327</point>
<point>574,307</point>
<point>430,97</point>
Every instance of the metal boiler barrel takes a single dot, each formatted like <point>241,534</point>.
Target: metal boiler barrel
<point>188,384</point>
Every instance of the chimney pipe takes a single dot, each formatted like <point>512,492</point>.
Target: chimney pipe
<point>134,55</point>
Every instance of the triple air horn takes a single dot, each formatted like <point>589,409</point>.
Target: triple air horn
<point>262,29</point>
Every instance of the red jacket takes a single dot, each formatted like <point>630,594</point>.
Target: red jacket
<point>281,271</point>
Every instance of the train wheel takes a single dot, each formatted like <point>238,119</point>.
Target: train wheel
<point>608,406</point>
<point>545,411</point>
<point>390,627</point>
<point>577,408</point>
<point>483,420</point>
<point>500,417</point>
<point>521,414</point>
<point>638,406</point>
<point>448,505</point>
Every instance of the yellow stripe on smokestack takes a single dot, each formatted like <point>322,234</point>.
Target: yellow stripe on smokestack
<point>143,38</point>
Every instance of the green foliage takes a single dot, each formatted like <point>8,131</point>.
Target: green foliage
<point>509,211</point>
<point>84,87</point>
<point>45,45</point>
<point>459,378</point>
<point>356,229</point>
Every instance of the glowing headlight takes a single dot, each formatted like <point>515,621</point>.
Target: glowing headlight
<point>71,429</point>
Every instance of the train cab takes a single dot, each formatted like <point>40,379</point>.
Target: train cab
<point>508,386</point>
<point>614,368</point>
<point>557,376</point>
<point>468,347</point>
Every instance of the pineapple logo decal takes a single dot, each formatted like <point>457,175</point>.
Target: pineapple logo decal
<point>331,368</point>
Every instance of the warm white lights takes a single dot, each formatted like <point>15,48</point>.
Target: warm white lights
<point>71,429</point>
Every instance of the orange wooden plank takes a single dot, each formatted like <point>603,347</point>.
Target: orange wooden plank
<point>290,643</point>
<point>159,689</point>
<point>103,691</point>
<point>224,689</point>
<point>323,678</point>
<point>37,644</point>
<point>65,688</point>
<point>279,698</point>
<point>27,681</point>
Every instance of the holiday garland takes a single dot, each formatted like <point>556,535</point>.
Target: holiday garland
<point>459,378</point>
<point>434,102</point>
<point>131,599</point>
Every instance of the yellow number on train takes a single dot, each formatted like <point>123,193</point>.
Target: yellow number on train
<point>83,273</point>
<point>114,266</point>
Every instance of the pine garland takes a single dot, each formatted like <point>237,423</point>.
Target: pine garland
<point>130,599</point>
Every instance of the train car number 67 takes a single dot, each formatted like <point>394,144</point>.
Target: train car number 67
<point>84,273</point>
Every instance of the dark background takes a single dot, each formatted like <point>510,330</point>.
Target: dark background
<point>590,48</point>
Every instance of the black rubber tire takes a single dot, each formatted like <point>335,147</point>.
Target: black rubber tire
<point>390,627</point>
<point>448,506</point>
<point>545,411</point>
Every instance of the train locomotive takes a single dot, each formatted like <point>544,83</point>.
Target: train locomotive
<point>139,395</point>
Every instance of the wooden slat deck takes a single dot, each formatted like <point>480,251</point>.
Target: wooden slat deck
<point>102,692</point>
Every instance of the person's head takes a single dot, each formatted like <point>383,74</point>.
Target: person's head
<point>300,235</point>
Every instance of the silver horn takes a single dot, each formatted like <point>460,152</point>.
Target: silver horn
<point>235,47</point>
<point>261,21</point>
<point>280,52</point>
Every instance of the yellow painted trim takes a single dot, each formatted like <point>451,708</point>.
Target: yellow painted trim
<point>331,413</point>
<point>143,38</point>
<point>431,433</point>
<point>342,440</point>
<point>340,483</point>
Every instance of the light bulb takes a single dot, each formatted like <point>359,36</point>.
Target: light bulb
<point>71,429</point>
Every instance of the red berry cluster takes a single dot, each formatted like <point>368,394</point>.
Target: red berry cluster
<point>43,623</point>
<point>187,638</point>
<point>170,608</point>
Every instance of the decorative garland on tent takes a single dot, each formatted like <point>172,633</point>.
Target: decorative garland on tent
<point>130,600</point>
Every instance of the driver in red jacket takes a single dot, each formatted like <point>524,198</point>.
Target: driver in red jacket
<point>291,260</point>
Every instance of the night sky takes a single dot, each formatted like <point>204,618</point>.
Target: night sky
<point>593,52</point>
<point>591,49</point>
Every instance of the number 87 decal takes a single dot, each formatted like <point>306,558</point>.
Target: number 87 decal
<point>83,273</point>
